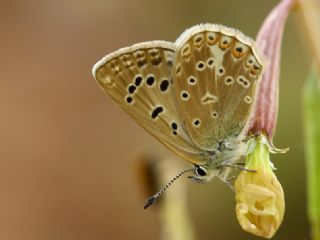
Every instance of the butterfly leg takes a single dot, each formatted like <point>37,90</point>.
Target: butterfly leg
<point>229,182</point>
<point>231,179</point>
<point>239,166</point>
<point>196,179</point>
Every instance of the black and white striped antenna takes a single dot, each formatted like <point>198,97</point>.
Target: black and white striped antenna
<point>153,198</point>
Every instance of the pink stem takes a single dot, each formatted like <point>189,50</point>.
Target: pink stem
<point>264,118</point>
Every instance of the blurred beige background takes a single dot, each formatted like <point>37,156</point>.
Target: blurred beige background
<point>67,152</point>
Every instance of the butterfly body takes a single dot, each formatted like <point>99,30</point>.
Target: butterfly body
<point>194,95</point>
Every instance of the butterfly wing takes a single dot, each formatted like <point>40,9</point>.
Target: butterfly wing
<point>139,79</point>
<point>215,73</point>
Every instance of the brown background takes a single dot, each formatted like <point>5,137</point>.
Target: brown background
<point>67,152</point>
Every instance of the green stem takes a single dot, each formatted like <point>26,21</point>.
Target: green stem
<point>260,156</point>
<point>311,104</point>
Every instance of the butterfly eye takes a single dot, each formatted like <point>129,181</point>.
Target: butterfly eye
<point>201,171</point>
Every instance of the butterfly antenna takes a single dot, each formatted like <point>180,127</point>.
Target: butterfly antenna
<point>153,198</point>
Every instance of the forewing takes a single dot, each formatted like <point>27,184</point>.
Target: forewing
<point>215,74</point>
<point>138,78</point>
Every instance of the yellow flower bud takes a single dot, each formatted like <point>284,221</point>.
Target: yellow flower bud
<point>259,196</point>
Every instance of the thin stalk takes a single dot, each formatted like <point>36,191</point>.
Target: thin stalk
<point>310,15</point>
<point>172,207</point>
<point>174,212</point>
<point>311,106</point>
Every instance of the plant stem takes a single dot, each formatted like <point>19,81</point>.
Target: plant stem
<point>311,104</point>
<point>310,10</point>
<point>174,212</point>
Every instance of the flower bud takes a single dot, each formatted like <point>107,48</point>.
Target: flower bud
<point>259,196</point>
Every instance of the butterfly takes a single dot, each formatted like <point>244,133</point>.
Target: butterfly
<point>194,95</point>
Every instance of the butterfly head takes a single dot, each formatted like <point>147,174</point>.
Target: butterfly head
<point>200,171</point>
<point>203,173</point>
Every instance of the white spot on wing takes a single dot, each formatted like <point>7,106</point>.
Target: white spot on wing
<point>210,62</point>
<point>211,38</point>
<point>229,80</point>
<point>215,114</point>
<point>106,80</point>
<point>209,98</point>
<point>192,80</point>
<point>196,122</point>
<point>200,66</point>
<point>248,99</point>
<point>184,95</point>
